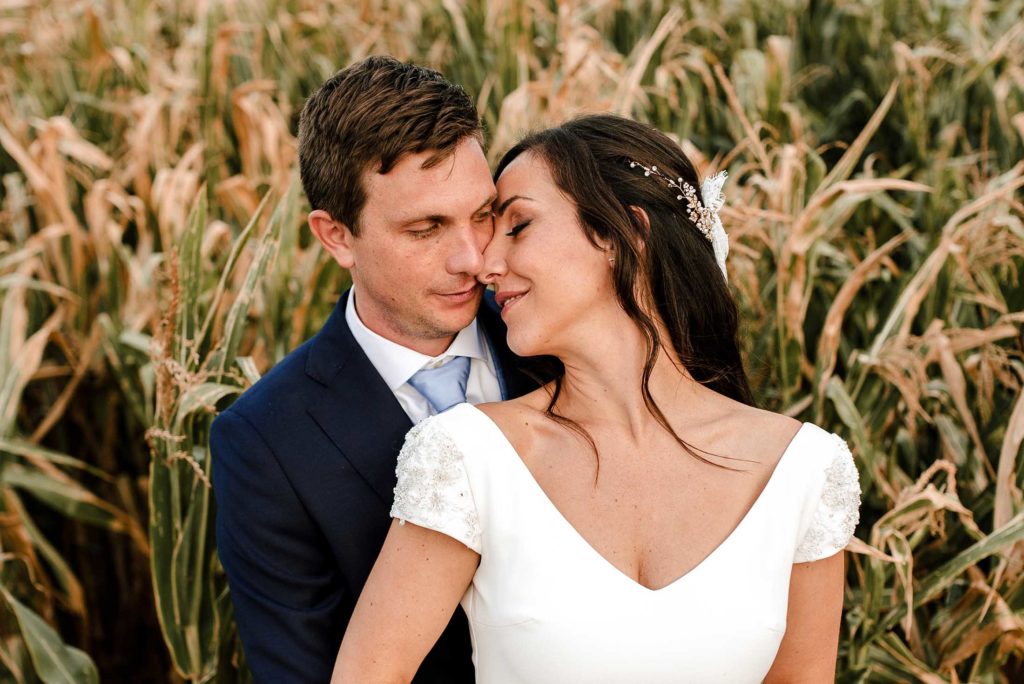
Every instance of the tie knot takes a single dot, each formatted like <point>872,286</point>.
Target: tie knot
<point>443,386</point>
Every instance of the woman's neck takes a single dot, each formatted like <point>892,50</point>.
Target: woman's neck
<point>602,384</point>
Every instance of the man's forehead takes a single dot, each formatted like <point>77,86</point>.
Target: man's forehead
<point>458,183</point>
<point>414,171</point>
<point>431,161</point>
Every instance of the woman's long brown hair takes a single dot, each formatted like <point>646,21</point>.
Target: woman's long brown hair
<point>589,159</point>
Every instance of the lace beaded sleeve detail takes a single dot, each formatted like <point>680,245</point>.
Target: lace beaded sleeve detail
<point>433,487</point>
<point>838,510</point>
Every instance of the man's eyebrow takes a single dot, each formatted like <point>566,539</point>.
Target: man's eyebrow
<point>442,219</point>
<point>504,205</point>
<point>487,203</point>
<point>432,218</point>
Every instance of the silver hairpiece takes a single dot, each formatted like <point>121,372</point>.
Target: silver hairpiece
<point>704,216</point>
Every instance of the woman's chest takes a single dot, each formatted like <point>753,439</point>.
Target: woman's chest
<point>651,518</point>
<point>548,608</point>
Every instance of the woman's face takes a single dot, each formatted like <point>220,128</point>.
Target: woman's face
<point>553,285</point>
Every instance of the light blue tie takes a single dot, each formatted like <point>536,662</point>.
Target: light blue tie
<point>444,386</point>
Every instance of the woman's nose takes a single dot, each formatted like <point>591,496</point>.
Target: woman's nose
<point>494,265</point>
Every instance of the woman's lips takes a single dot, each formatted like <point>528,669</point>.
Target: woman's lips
<point>507,300</point>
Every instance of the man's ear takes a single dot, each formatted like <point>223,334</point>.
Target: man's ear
<point>334,235</point>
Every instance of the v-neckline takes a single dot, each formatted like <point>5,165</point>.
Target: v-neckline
<point>575,533</point>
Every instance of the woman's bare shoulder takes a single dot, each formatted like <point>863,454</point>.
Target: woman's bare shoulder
<point>769,433</point>
<point>773,423</point>
<point>757,434</point>
<point>519,418</point>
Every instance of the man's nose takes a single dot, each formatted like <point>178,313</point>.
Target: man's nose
<point>466,255</point>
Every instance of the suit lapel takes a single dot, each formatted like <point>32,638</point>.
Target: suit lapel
<point>356,409</point>
<point>509,365</point>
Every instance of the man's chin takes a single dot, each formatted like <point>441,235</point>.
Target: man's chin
<point>454,317</point>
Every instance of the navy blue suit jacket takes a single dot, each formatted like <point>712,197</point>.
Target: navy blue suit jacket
<point>304,474</point>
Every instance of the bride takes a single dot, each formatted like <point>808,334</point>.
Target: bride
<point>638,519</point>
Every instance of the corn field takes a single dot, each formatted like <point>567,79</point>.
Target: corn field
<point>154,261</point>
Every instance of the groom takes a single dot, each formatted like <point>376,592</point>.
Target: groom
<point>304,461</point>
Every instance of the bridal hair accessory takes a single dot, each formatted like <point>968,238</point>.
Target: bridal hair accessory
<point>704,216</point>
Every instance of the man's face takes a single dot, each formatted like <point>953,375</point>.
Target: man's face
<point>422,233</point>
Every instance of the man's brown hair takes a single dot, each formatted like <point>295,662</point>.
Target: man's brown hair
<point>367,117</point>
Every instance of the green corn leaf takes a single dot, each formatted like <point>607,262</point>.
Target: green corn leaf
<point>66,579</point>
<point>848,412</point>
<point>236,317</point>
<point>55,662</point>
<point>190,273</point>
<point>26,449</point>
<point>66,496</point>
<point>941,579</point>
<point>201,399</point>
<point>236,250</point>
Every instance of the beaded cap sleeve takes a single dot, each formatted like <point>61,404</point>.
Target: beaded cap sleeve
<point>838,510</point>
<point>433,486</point>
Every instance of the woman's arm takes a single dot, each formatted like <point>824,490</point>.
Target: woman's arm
<point>415,585</point>
<point>811,643</point>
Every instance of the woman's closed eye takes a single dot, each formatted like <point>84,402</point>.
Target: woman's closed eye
<point>518,228</point>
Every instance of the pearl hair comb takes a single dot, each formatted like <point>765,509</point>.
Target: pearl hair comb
<point>704,216</point>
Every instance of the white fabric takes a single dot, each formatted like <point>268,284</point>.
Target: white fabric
<point>711,191</point>
<point>545,607</point>
<point>838,510</point>
<point>396,364</point>
<point>434,488</point>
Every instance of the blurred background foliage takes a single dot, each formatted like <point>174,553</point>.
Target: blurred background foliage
<point>154,262</point>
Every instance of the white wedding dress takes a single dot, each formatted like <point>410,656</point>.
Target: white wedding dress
<point>545,607</point>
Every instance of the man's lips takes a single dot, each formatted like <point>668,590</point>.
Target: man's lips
<point>461,295</point>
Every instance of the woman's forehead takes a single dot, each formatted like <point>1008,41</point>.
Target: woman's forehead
<point>527,170</point>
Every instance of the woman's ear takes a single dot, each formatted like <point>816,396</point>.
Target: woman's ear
<point>641,216</point>
<point>639,239</point>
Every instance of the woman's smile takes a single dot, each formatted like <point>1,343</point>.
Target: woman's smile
<point>506,299</point>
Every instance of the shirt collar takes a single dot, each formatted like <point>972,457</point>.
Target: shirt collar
<point>395,363</point>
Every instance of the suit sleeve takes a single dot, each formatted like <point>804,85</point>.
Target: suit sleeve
<point>288,596</point>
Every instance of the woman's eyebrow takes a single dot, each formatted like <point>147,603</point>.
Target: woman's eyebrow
<point>504,205</point>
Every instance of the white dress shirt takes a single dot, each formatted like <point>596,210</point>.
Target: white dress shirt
<point>396,364</point>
